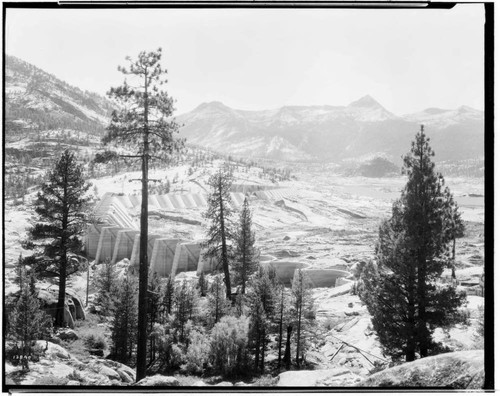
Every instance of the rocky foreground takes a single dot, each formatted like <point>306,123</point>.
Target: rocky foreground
<point>57,367</point>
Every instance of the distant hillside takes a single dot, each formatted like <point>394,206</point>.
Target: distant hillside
<point>333,133</point>
<point>37,101</point>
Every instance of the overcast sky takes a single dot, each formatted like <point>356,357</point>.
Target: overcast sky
<point>255,59</point>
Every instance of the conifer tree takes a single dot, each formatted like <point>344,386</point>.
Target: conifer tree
<point>218,304</point>
<point>61,212</point>
<point>167,299</point>
<point>124,326</point>
<point>202,284</point>
<point>221,228</point>
<point>154,303</point>
<point>245,263</point>
<point>27,322</point>
<point>414,247</point>
<point>143,124</point>
<point>303,309</point>
<point>186,300</point>
<point>106,283</point>
<point>262,302</point>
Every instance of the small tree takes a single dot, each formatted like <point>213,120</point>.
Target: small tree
<point>304,311</point>
<point>27,322</point>
<point>228,341</point>
<point>61,212</point>
<point>186,300</point>
<point>221,229</point>
<point>124,327</point>
<point>246,262</point>
<point>202,284</point>
<point>106,283</point>
<point>217,305</point>
<point>166,299</point>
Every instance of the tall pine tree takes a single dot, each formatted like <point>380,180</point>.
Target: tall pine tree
<point>415,246</point>
<point>61,212</point>
<point>245,263</point>
<point>221,227</point>
<point>143,124</point>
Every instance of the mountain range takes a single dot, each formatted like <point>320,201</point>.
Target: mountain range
<point>38,101</point>
<point>360,130</point>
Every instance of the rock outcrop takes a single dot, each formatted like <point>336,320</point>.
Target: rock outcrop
<point>455,370</point>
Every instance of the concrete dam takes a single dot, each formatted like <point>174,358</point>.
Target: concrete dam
<point>115,236</point>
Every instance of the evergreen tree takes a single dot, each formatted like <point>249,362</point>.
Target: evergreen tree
<point>143,123</point>
<point>186,300</point>
<point>414,247</point>
<point>106,283</point>
<point>61,210</point>
<point>166,299</point>
<point>304,311</point>
<point>202,284</point>
<point>218,305</point>
<point>27,322</point>
<point>262,302</point>
<point>124,326</point>
<point>154,303</point>
<point>246,262</point>
<point>221,229</point>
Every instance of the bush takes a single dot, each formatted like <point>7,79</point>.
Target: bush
<point>95,342</point>
<point>228,341</point>
<point>197,353</point>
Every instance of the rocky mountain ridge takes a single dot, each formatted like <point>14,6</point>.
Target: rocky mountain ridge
<point>332,133</point>
<point>39,104</point>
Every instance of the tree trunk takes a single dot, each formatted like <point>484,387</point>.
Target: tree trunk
<point>263,351</point>
<point>142,330</point>
<point>257,351</point>
<point>225,260</point>
<point>288,354</point>
<point>280,338</point>
<point>62,293</point>
<point>298,334</point>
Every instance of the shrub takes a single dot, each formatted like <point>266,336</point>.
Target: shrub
<point>197,353</point>
<point>228,341</point>
<point>95,342</point>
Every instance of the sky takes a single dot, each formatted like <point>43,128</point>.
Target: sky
<point>255,59</point>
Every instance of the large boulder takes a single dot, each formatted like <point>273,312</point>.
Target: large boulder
<point>158,380</point>
<point>455,370</point>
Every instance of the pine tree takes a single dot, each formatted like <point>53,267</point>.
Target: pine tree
<point>414,247</point>
<point>166,299</point>
<point>262,303</point>
<point>27,322</point>
<point>143,123</point>
<point>246,262</point>
<point>106,283</point>
<point>218,304</point>
<point>304,311</point>
<point>186,300</point>
<point>221,229</point>
<point>154,295</point>
<point>124,326</point>
<point>202,284</point>
<point>61,209</point>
